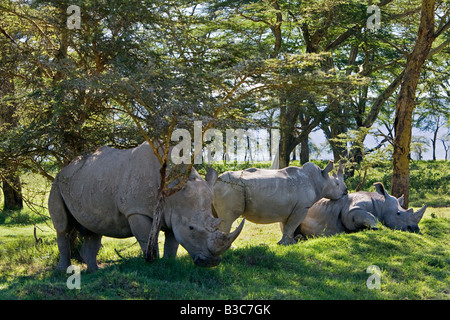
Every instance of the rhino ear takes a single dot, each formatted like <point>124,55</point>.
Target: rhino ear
<point>401,200</point>
<point>327,169</point>
<point>211,177</point>
<point>380,189</point>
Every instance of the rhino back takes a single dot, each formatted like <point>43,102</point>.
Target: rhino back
<point>272,195</point>
<point>369,201</point>
<point>102,189</point>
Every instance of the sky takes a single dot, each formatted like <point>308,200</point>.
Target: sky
<point>259,146</point>
<point>318,137</point>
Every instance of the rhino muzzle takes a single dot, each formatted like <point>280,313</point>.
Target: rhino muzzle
<point>207,262</point>
<point>412,228</point>
<point>220,241</point>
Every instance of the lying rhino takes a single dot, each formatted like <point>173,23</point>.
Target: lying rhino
<point>358,211</point>
<point>269,196</point>
<point>113,192</point>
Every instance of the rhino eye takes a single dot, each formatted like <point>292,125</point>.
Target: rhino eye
<point>398,213</point>
<point>191,228</point>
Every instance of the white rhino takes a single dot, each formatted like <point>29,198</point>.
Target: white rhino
<point>358,211</point>
<point>113,192</point>
<point>270,196</point>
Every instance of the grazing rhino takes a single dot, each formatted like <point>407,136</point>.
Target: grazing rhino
<point>358,211</point>
<point>269,196</point>
<point>113,192</point>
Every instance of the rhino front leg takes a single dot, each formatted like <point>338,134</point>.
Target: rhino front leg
<point>228,203</point>
<point>359,218</point>
<point>140,227</point>
<point>292,223</point>
<point>170,245</point>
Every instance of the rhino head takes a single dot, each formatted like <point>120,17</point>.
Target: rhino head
<point>396,217</point>
<point>193,224</point>
<point>334,187</point>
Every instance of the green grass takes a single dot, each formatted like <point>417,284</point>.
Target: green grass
<point>413,266</point>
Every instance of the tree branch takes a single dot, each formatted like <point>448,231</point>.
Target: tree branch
<point>141,129</point>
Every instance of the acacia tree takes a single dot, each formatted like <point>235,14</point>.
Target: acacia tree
<point>11,186</point>
<point>178,72</point>
<point>287,34</point>
<point>58,105</point>
<point>334,34</point>
<point>9,70</point>
<point>143,67</point>
<point>427,34</point>
<point>433,94</point>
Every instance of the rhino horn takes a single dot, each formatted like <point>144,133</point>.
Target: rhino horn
<point>419,213</point>
<point>220,241</point>
<point>213,224</point>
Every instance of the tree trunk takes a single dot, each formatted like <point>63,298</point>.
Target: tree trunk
<point>152,251</point>
<point>12,189</point>
<point>286,146</point>
<point>284,152</point>
<point>12,192</point>
<point>283,157</point>
<point>446,148</point>
<point>406,102</point>
<point>304,151</point>
<point>434,140</point>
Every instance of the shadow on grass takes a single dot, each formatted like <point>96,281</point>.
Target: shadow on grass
<point>245,273</point>
<point>323,268</point>
<point>22,217</point>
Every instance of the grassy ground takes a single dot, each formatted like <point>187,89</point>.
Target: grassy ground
<point>413,266</point>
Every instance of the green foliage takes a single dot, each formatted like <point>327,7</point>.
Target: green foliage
<point>429,181</point>
<point>156,61</point>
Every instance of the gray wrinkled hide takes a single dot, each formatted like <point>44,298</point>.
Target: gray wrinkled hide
<point>271,196</point>
<point>357,211</point>
<point>113,193</point>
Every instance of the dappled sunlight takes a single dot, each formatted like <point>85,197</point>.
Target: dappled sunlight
<point>412,266</point>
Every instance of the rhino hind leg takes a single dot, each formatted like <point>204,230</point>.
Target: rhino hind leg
<point>298,235</point>
<point>291,225</point>
<point>62,222</point>
<point>63,241</point>
<point>92,242</point>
